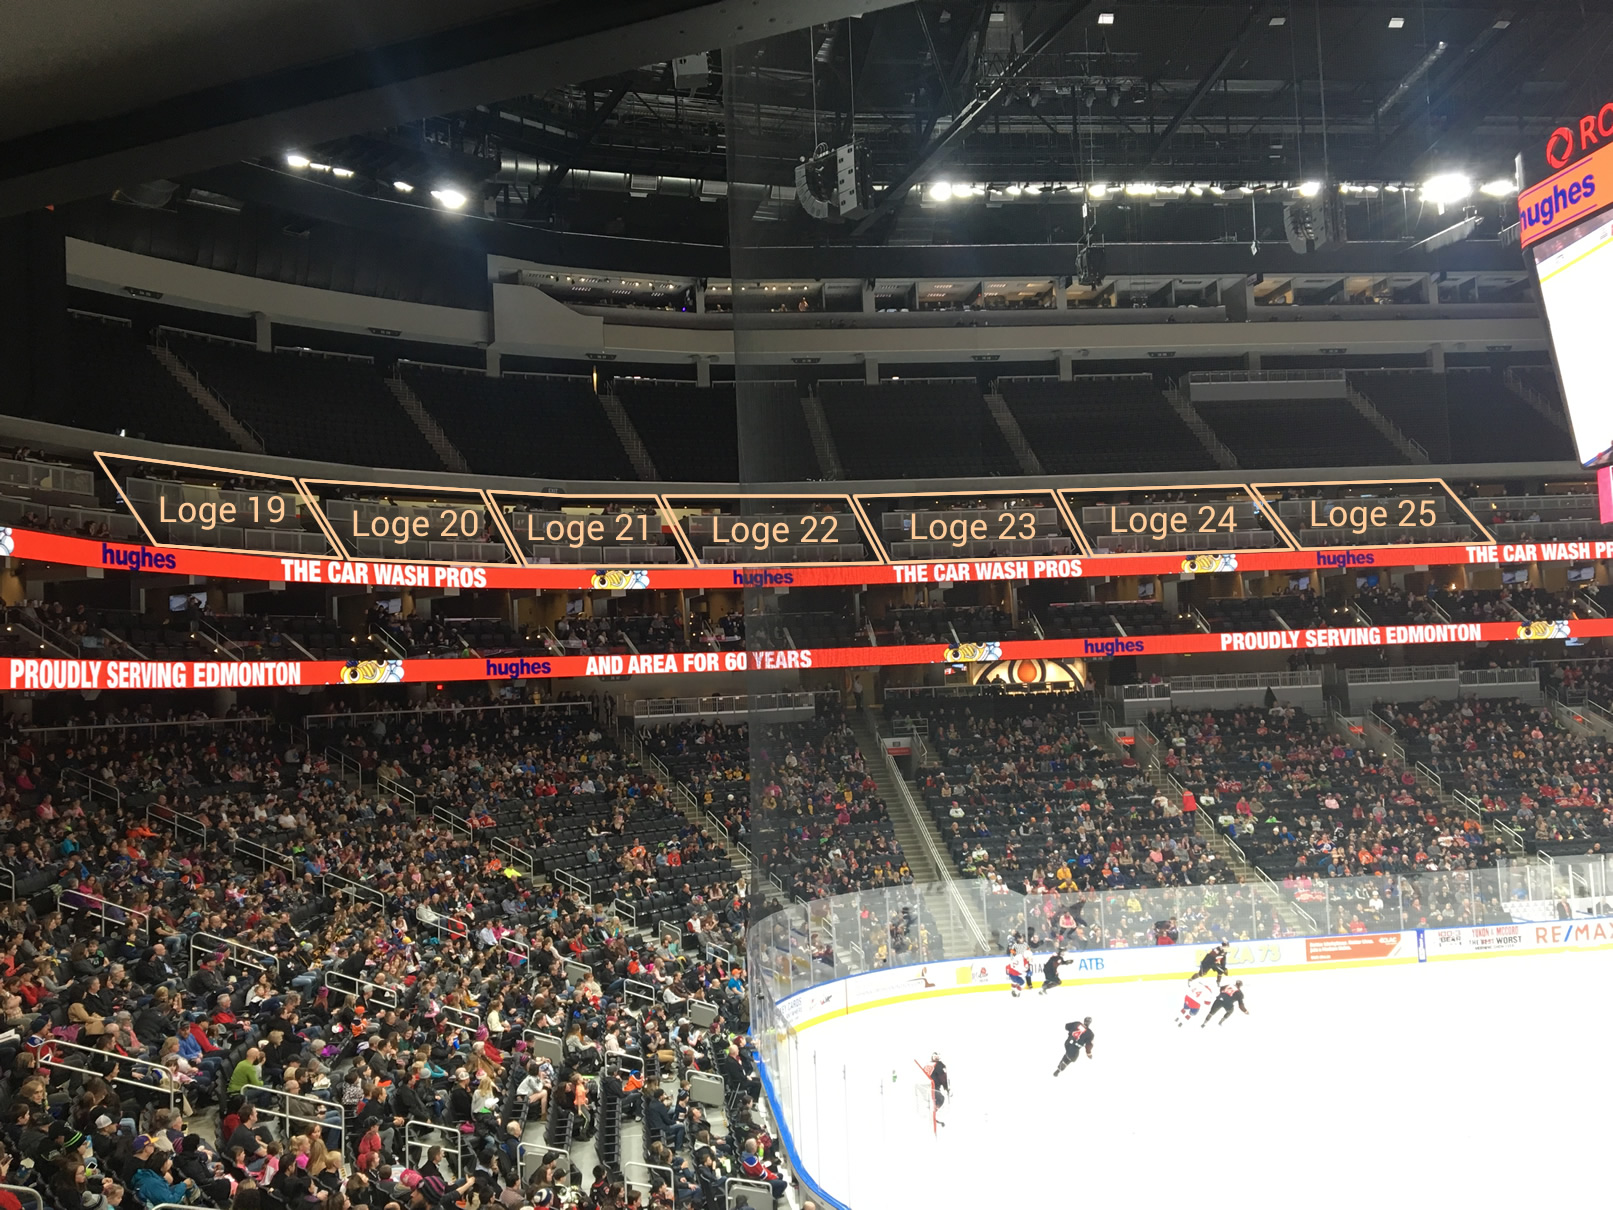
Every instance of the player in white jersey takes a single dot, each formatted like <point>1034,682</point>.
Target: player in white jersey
<point>1201,993</point>
<point>1016,977</point>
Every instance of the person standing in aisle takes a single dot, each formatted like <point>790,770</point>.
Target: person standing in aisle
<point>857,689</point>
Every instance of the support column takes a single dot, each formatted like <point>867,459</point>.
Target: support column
<point>494,360</point>
<point>1436,358</point>
<point>871,372</point>
<point>868,296</point>
<point>1239,300</point>
<point>33,314</point>
<point>1066,366</point>
<point>702,372</point>
<point>1254,360</point>
<point>1061,294</point>
<point>262,332</point>
<point>700,296</point>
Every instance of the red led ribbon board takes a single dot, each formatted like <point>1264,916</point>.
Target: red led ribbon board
<point>45,547</point>
<point>67,674</point>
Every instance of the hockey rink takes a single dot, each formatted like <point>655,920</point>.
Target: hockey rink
<point>1460,1083</point>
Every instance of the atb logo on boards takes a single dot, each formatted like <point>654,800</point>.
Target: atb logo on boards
<point>763,579</point>
<point>1344,558</point>
<point>137,558</point>
<point>517,668</point>
<point>1112,646</point>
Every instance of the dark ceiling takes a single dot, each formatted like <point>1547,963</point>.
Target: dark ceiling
<point>609,139</point>
<point>1218,92</point>
<point>97,95</point>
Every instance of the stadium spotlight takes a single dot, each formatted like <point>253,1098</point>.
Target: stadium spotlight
<point>403,186</point>
<point>1397,23</point>
<point>293,160</point>
<point>1141,189</point>
<point>1106,18</point>
<point>1097,189</point>
<point>941,191</point>
<point>1447,189</point>
<point>344,173</point>
<point>452,198</point>
<point>1310,188</point>
<point>1501,187</point>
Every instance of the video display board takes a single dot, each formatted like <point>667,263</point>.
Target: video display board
<point>1576,272</point>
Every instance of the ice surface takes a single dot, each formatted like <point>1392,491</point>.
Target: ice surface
<point>1457,1083</point>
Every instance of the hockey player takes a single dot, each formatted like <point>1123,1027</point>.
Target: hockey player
<point>1200,992</point>
<point>1078,1036</point>
<point>1050,972</point>
<point>940,1084</point>
<point>1214,962</point>
<point>1224,1000</point>
<point>1016,978</point>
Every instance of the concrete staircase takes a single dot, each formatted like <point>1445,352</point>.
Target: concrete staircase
<point>1213,445</point>
<point>239,432</point>
<point>451,458</point>
<point>1545,407</point>
<point>637,453</point>
<point>683,798</point>
<point>1368,411</point>
<point>962,930</point>
<point>1381,741</point>
<point>1230,862</point>
<point>823,442</point>
<point>1012,433</point>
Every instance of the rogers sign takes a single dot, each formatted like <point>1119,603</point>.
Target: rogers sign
<point>1564,143</point>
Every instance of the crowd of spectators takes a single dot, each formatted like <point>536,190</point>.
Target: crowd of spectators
<point>1583,680</point>
<point>1024,798</point>
<point>1298,799</point>
<point>824,829</point>
<point>1553,787</point>
<point>235,979</point>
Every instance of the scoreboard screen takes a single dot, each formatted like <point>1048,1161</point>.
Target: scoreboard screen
<point>1576,275</point>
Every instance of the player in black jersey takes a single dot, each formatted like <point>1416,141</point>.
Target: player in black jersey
<point>1050,972</point>
<point>1224,1001</point>
<point>1078,1036</point>
<point>940,1084</point>
<point>1214,962</point>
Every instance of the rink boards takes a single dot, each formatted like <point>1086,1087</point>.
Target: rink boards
<point>798,1105</point>
<point>898,985</point>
